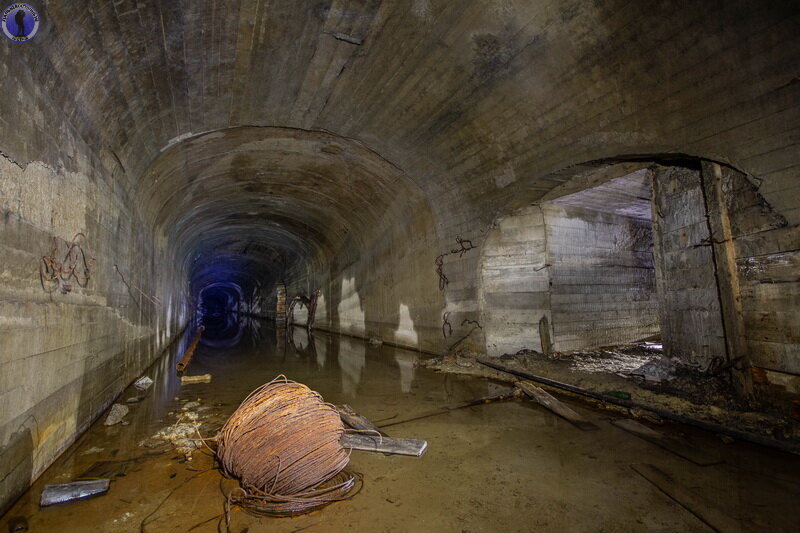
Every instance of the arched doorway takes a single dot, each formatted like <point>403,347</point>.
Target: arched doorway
<point>621,252</point>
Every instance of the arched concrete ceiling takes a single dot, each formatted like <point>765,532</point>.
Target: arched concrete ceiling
<point>256,201</point>
<point>477,97</point>
<point>479,102</point>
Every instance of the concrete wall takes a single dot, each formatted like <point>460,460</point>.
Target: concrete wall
<point>766,247</point>
<point>602,278</point>
<point>384,288</point>
<point>515,290</point>
<point>64,356</point>
<point>578,277</point>
<point>691,320</point>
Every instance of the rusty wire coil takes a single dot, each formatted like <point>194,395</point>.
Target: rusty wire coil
<point>282,443</point>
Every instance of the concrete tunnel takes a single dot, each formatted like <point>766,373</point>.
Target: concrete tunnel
<point>604,195</point>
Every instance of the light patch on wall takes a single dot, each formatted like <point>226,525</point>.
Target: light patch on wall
<point>506,178</point>
<point>351,315</point>
<point>405,333</point>
<point>299,315</point>
<point>321,314</point>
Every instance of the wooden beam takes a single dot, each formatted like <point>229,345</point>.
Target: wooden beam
<point>726,272</point>
<point>549,402</point>
<point>377,443</point>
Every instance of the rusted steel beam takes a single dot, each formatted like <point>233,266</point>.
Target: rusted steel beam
<point>183,364</point>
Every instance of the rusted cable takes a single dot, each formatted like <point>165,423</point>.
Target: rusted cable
<point>463,249</point>
<point>443,281</point>
<point>55,274</point>
<point>153,299</point>
<point>465,245</point>
<point>282,443</point>
<point>475,326</point>
<point>446,324</point>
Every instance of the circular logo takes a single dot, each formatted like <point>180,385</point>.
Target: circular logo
<point>20,22</point>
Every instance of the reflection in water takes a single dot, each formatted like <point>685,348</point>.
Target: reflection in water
<point>352,358</point>
<point>407,361</point>
<point>300,339</point>
<point>321,347</point>
<point>502,466</point>
<point>222,331</point>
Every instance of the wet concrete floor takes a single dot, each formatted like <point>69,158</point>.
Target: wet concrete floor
<point>509,466</point>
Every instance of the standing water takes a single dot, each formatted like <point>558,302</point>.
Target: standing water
<point>509,466</point>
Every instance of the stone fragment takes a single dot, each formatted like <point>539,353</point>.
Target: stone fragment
<point>117,413</point>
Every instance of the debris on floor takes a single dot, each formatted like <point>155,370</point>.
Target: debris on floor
<point>117,413</point>
<point>188,380</point>
<point>381,444</point>
<point>546,400</point>
<point>355,420</point>
<point>375,341</point>
<point>183,436</point>
<point>17,524</point>
<point>143,383</point>
<point>657,370</point>
<point>619,377</point>
<point>78,490</point>
<point>373,439</point>
<point>305,467</point>
<point>93,449</point>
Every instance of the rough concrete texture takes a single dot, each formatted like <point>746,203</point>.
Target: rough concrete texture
<point>574,271</point>
<point>691,319</point>
<point>345,146</point>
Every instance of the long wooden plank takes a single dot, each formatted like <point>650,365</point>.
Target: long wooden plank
<point>376,443</point>
<point>544,399</point>
<point>355,420</point>
<point>694,502</point>
<point>679,447</point>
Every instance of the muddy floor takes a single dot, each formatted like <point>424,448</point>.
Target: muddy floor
<point>506,466</point>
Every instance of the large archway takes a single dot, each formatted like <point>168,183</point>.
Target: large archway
<point>625,251</point>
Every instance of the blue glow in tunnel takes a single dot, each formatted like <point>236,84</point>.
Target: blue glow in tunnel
<point>218,311</point>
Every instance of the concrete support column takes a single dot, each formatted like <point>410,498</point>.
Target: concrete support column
<point>725,270</point>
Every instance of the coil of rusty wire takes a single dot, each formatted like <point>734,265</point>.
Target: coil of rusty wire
<point>282,443</point>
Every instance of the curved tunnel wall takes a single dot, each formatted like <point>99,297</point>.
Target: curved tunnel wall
<point>479,114</point>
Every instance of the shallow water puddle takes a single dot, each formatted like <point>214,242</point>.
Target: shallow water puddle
<point>507,466</point>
